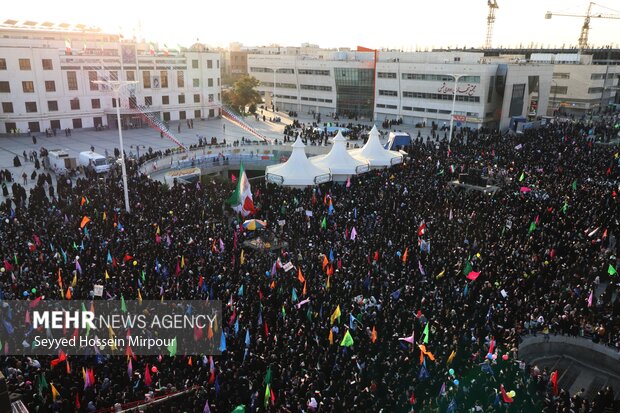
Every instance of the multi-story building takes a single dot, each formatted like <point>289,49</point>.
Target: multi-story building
<point>414,87</point>
<point>48,77</point>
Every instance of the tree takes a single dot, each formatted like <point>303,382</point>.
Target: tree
<point>242,93</point>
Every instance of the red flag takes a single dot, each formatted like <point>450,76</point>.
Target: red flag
<point>266,329</point>
<point>233,178</point>
<point>505,396</point>
<point>91,376</point>
<point>77,401</point>
<point>61,357</point>
<point>412,398</point>
<point>212,378</point>
<point>376,257</point>
<point>554,381</point>
<point>127,257</point>
<point>422,229</point>
<point>147,376</point>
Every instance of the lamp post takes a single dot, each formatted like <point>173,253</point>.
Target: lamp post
<point>138,149</point>
<point>274,90</point>
<point>456,81</point>
<point>116,85</point>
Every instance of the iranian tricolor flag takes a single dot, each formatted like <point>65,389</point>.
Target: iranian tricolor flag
<point>241,199</point>
<point>67,47</point>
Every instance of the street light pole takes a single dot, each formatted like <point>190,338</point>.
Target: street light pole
<point>274,90</point>
<point>116,86</point>
<point>456,81</point>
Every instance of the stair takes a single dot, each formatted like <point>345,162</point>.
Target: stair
<point>597,384</point>
<point>569,376</point>
<point>156,123</point>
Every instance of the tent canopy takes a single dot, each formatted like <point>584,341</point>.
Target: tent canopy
<point>297,170</point>
<point>373,153</point>
<point>339,161</point>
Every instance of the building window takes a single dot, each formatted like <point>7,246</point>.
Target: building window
<point>95,103</point>
<point>180,79</point>
<point>92,77</point>
<point>5,87</point>
<point>196,82</point>
<point>77,123</point>
<point>31,107</point>
<point>182,114</point>
<point>316,87</point>
<point>50,86</point>
<point>440,96</point>
<point>10,126</point>
<point>28,86</point>
<point>209,64</point>
<point>439,78</point>
<point>561,75</point>
<point>47,64</point>
<point>559,90</point>
<point>388,93</point>
<point>146,79</point>
<point>7,107</point>
<point>55,124</point>
<point>166,116</point>
<point>313,72</point>
<point>148,100</point>
<point>97,121</point>
<point>599,76</point>
<point>24,64</point>
<point>34,127</point>
<point>211,112</point>
<point>113,74</point>
<point>72,80</point>
<point>3,64</point>
<point>218,81</point>
<point>165,100</point>
<point>164,78</point>
<point>210,97</point>
<point>197,114</point>
<point>194,64</point>
<point>386,75</point>
<point>210,82</point>
<point>196,98</point>
<point>52,105</point>
<point>75,104</point>
<point>595,90</point>
<point>490,95</point>
<point>131,75</point>
<point>218,63</point>
<point>181,99</point>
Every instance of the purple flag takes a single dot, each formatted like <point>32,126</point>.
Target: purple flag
<point>353,234</point>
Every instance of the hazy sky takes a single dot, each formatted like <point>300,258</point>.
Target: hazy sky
<point>405,24</point>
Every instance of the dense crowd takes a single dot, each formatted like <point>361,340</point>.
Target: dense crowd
<point>394,255</point>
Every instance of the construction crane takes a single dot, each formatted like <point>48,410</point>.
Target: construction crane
<point>585,29</point>
<point>490,21</point>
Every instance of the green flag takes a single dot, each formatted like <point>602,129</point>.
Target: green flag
<point>267,379</point>
<point>123,305</point>
<point>347,341</point>
<point>283,312</point>
<point>532,228</point>
<point>324,223</point>
<point>15,257</point>
<point>172,348</point>
<point>43,382</point>
<point>575,185</point>
<point>612,270</point>
<point>522,177</point>
<point>426,333</point>
<point>565,207</point>
<point>239,409</point>
<point>267,394</point>
<point>468,268</point>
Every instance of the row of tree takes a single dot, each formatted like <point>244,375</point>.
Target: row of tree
<point>243,94</point>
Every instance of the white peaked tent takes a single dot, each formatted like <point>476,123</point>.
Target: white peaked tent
<point>339,162</point>
<point>374,153</point>
<point>297,171</point>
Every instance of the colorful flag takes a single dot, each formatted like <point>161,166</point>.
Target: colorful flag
<point>67,47</point>
<point>335,315</point>
<point>473,275</point>
<point>55,393</point>
<point>347,341</point>
<point>85,221</point>
<point>612,270</point>
<point>426,334</point>
<point>505,396</point>
<point>241,199</point>
<point>353,234</point>
<point>373,335</point>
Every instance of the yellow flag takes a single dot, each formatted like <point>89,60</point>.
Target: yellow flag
<point>242,258</point>
<point>55,393</point>
<point>107,276</point>
<point>157,232</point>
<point>441,274</point>
<point>139,297</point>
<point>451,357</point>
<point>335,315</point>
<point>74,282</point>
<point>182,261</point>
<point>328,284</point>
<point>161,299</point>
<point>104,216</point>
<point>112,334</point>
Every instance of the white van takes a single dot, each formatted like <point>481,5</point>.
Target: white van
<point>93,160</point>
<point>60,162</point>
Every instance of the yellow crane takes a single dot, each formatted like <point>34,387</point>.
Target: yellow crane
<point>490,21</point>
<point>585,29</point>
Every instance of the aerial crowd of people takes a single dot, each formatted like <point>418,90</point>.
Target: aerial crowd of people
<point>405,295</point>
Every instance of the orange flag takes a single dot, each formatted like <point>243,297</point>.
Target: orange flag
<point>272,285</point>
<point>85,221</point>
<point>373,335</point>
<point>331,337</point>
<point>59,279</point>
<point>68,295</point>
<point>210,332</point>
<point>189,362</point>
<point>300,276</point>
<point>304,290</point>
<point>83,201</point>
<point>325,262</point>
<point>68,367</point>
<point>424,352</point>
<point>405,255</point>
